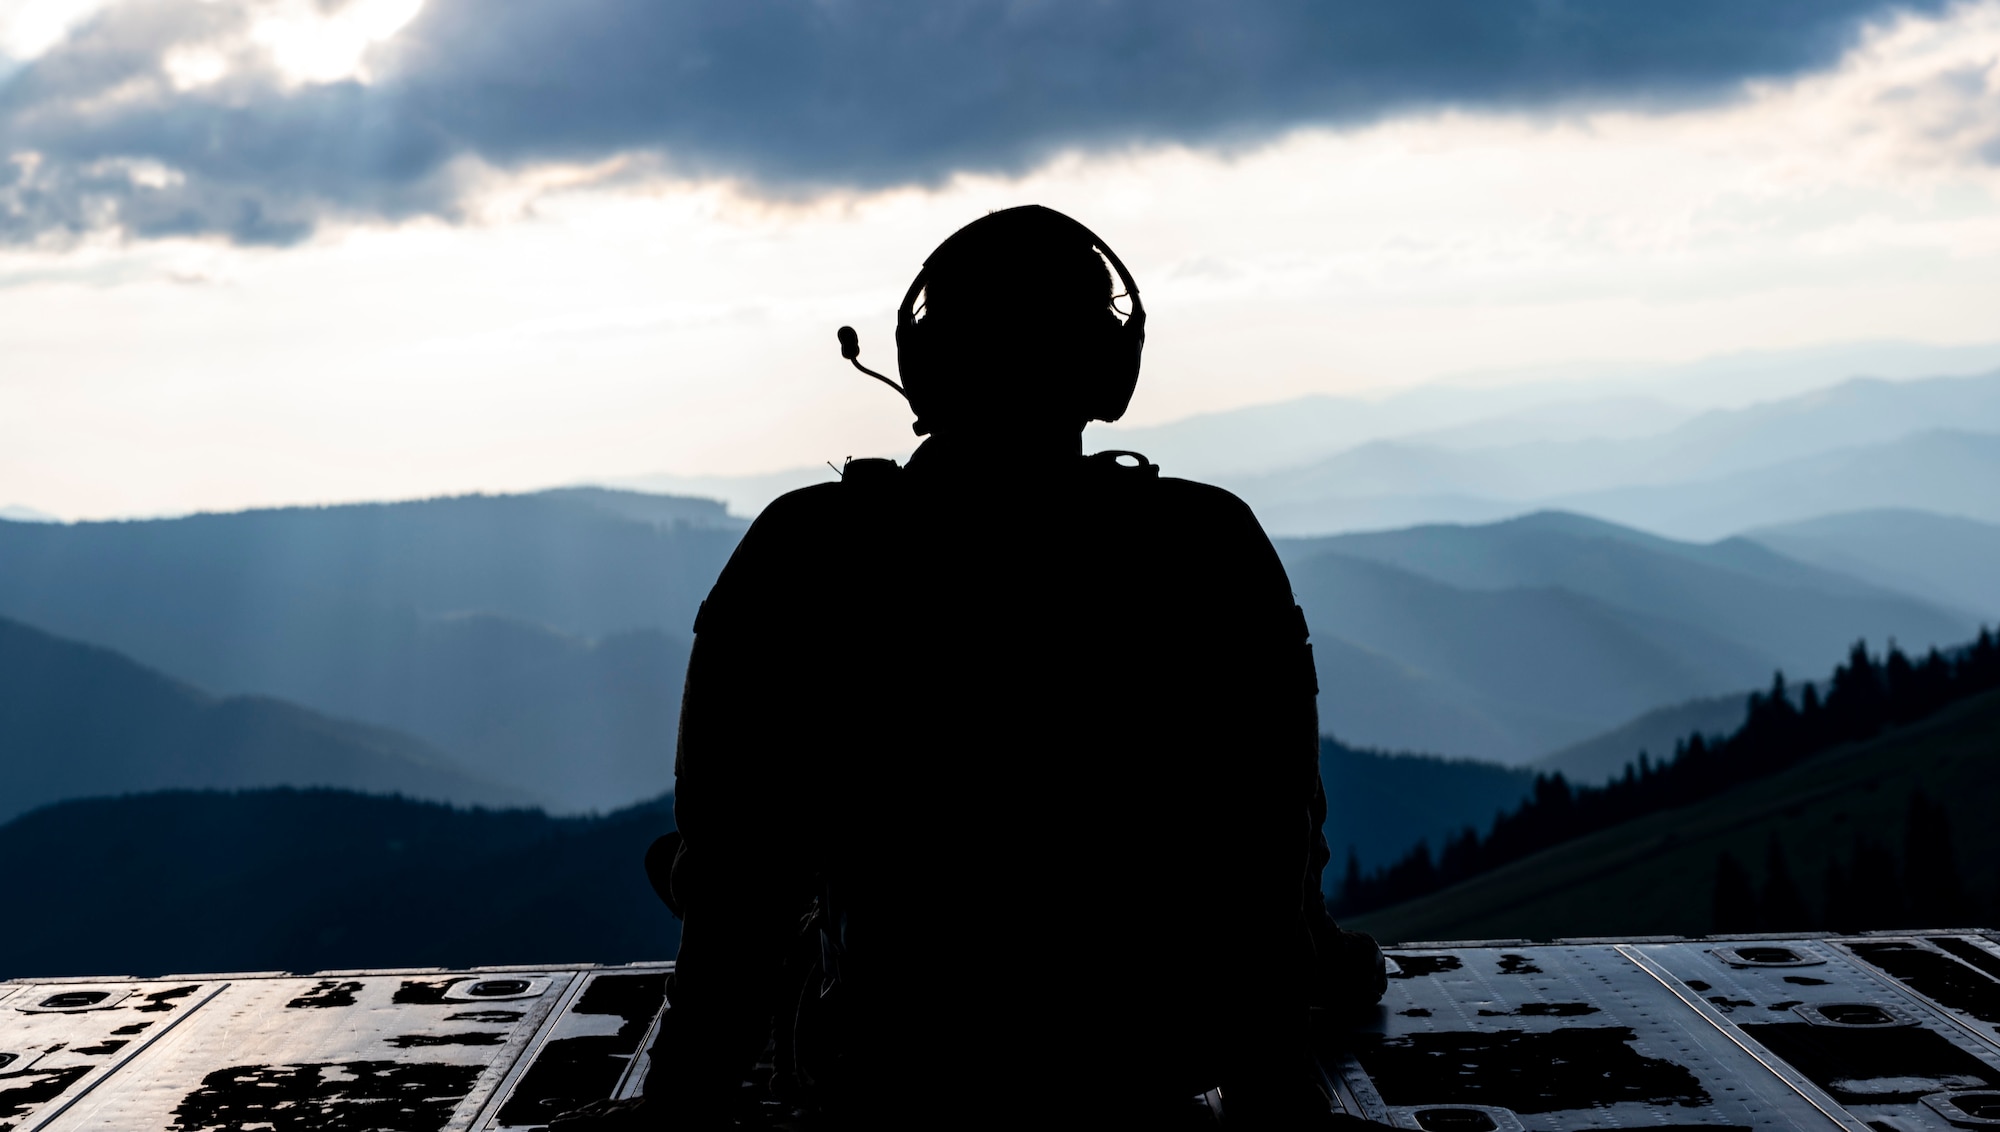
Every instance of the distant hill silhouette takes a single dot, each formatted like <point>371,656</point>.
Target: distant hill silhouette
<point>1501,444</point>
<point>316,879</point>
<point>1604,559</point>
<point>1263,439</point>
<point>1859,444</point>
<point>1943,558</point>
<point>1796,615</point>
<point>1857,413</point>
<point>582,724</point>
<point>1377,701</point>
<point>539,640</point>
<point>1544,666</point>
<point>78,720</point>
<point>1574,402</point>
<point>1658,874</point>
<point>1510,640</point>
<point>1946,470</point>
<point>1604,757</point>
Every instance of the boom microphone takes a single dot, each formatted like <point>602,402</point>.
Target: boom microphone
<point>850,348</point>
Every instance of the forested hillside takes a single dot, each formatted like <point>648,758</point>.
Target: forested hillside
<point>1928,720</point>
<point>304,880</point>
<point>1894,832</point>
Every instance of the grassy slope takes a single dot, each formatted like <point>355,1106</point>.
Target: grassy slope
<point>1656,875</point>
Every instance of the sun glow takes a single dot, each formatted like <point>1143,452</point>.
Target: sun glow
<point>311,45</point>
<point>306,41</point>
<point>30,27</point>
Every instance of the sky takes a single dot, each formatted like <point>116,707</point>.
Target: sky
<point>266,252</point>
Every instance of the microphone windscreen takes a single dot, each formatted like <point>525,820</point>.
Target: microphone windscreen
<point>850,343</point>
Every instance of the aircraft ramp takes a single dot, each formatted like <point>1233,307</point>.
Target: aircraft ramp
<point>1876,1033</point>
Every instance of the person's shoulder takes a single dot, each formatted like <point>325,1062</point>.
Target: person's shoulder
<point>1205,500</point>
<point>823,504</point>
<point>1193,495</point>
<point>1199,494</point>
<point>802,515</point>
<point>803,502</point>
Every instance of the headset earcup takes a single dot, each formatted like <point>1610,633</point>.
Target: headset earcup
<point>1117,371</point>
<point>912,368</point>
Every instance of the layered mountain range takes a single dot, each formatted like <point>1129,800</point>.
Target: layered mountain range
<point>537,641</point>
<point>529,649</point>
<point>1510,640</point>
<point>1696,452</point>
<point>1933,445</point>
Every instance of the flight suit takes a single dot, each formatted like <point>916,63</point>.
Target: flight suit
<point>1030,755</point>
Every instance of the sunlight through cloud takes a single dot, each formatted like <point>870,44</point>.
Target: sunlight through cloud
<point>312,44</point>
<point>30,27</point>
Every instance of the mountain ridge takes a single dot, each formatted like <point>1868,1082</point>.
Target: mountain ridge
<point>1916,551</point>
<point>78,720</point>
<point>369,611</point>
<point>1509,641</point>
<point>1572,659</point>
<point>1789,613</point>
<point>1722,454</point>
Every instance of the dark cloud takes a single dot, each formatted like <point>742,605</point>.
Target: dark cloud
<point>796,95</point>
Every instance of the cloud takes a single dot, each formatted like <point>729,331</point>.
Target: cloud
<point>176,117</point>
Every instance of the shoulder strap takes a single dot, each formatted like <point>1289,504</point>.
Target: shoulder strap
<point>1109,463</point>
<point>869,471</point>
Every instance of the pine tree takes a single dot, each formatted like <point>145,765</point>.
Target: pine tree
<point>1899,682</point>
<point>1461,856</point>
<point>1855,702</point>
<point>1812,719</point>
<point>1979,668</point>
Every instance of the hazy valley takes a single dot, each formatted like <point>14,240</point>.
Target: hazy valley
<point>1522,587</point>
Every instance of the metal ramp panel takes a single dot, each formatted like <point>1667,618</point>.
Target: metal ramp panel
<point>399,1051</point>
<point>1878,1033</point>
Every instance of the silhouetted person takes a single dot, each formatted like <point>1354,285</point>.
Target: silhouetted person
<point>1025,740</point>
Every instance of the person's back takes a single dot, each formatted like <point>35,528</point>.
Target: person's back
<point>1033,734</point>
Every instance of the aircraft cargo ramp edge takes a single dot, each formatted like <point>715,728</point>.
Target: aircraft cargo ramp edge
<point>1888,1032</point>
